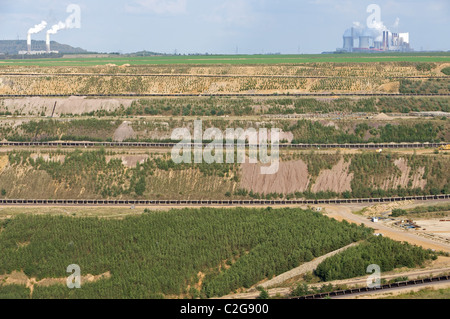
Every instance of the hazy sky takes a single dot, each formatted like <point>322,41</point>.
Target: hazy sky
<point>220,26</point>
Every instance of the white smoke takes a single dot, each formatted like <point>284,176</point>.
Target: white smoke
<point>55,28</point>
<point>37,28</point>
<point>397,23</point>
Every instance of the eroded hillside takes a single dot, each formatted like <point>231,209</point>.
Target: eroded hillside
<point>102,174</point>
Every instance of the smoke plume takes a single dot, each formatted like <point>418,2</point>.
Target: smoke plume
<point>55,28</point>
<point>37,28</point>
<point>397,23</point>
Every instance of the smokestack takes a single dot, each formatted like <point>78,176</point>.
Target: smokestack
<point>47,42</point>
<point>29,43</point>
<point>54,30</point>
<point>36,29</point>
<point>385,40</point>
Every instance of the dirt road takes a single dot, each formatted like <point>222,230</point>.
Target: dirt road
<point>355,282</point>
<point>303,269</point>
<point>345,213</point>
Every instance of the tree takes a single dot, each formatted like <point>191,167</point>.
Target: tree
<point>301,290</point>
<point>140,187</point>
<point>264,294</point>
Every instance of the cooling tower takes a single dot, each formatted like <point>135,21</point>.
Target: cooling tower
<point>364,42</point>
<point>348,44</point>
<point>364,39</point>
<point>349,40</point>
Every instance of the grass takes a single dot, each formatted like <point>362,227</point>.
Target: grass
<point>97,212</point>
<point>239,59</point>
<point>441,210</point>
<point>427,293</point>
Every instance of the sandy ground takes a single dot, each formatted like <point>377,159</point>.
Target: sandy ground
<point>19,278</point>
<point>399,291</point>
<point>291,177</point>
<point>345,213</point>
<point>71,105</point>
<point>435,269</point>
<point>406,176</point>
<point>436,226</point>
<point>123,132</point>
<point>338,179</point>
<point>301,270</point>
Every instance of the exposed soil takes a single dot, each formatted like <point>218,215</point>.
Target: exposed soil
<point>48,158</point>
<point>439,69</point>
<point>130,161</point>
<point>344,213</point>
<point>20,278</point>
<point>72,105</point>
<point>123,132</point>
<point>291,177</point>
<point>3,163</point>
<point>383,117</point>
<point>391,87</point>
<point>379,209</point>
<point>338,179</point>
<point>438,227</point>
<point>302,269</point>
<point>406,177</point>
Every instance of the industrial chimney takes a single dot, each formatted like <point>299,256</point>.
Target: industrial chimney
<point>36,29</point>
<point>385,40</point>
<point>29,43</point>
<point>47,42</point>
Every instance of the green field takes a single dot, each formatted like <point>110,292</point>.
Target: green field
<point>238,59</point>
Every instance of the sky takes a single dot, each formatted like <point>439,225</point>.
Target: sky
<point>223,26</point>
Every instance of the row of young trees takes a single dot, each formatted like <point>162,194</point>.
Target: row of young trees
<point>433,86</point>
<point>381,251</point>
<point>52,130</point>
<point>161,253</point>
<point>309,132</point>
<point>304,131</point>
<point>222,106</point>
<point>420,210</point>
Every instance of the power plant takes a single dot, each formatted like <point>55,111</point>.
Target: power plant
<point>360,39</point>
<point>36,29</point>
<point>71,22</point>
<point>375,37</point>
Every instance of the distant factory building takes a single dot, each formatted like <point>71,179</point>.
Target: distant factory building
<point>358,39</point>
